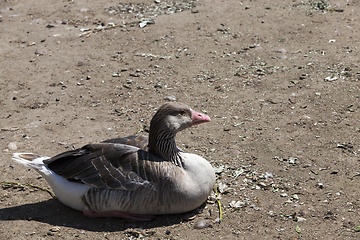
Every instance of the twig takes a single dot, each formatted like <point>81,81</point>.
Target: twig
<point>107,28</point>
<point>28,185</point>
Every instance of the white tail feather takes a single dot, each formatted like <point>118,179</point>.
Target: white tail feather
<point>30,160</point>
<point>69,193</point>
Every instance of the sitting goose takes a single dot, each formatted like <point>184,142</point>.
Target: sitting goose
<point>134,177</point>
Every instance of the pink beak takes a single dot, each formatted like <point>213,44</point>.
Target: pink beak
<point>198,118</point>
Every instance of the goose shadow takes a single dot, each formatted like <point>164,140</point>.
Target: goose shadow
<point>55,213</point>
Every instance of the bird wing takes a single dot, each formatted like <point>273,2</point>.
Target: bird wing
<point>110,165</point>
<point>135,140</point>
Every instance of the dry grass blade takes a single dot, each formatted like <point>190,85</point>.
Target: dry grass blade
<point>219,204</point>
<point>10,184</point>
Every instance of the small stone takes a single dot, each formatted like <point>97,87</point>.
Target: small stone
<point>292,160</point>
<point>170,98</point>
<point>301,219</point>
<point>158,85</point>
<point>134,75</point>
<point>237,204</point>
<point>12,146</point>
<point>129,81</point>
<point>281,50</point>
<point>219,169</point>
<point>143,24</point>
<point>305,117</point>
<point>330,78</point>
<point>303,76</point>
<point>55,229</point>
<point>295,196</point>
<point>84,29</point>
<point>194,10</point>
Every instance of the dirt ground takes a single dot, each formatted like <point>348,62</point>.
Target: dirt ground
<point>280,80</point>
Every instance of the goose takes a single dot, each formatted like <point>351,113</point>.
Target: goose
<point>135,177</point>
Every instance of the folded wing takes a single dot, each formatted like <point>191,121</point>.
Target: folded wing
<point>110,164</point>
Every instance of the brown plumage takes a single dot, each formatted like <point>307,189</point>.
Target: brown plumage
<point>132,177</point>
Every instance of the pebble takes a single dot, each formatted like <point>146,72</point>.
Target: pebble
<point>281,50</point>
<point>55,229</point>
<point>237,204</point>
<point>268,175</point>
<point>158,85</point>
<point>330,78</point>
<point>12,146</point>
<point>170,98</point>
<point>301,219</point>
<point>134,75</point>
<point>305,117</point>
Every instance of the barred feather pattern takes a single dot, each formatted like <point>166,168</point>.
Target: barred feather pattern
<point>135,174</point>
<point>156,200</point>
<point>162,134</point>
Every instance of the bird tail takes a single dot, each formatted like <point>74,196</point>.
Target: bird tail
<point>30,160</point>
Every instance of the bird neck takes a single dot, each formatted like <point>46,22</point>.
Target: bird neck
<point>163,145</point>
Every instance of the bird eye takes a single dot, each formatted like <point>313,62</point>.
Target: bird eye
<point>182,112</point>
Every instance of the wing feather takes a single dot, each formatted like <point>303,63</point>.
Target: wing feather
<point>136,141</point>
<point>111,164</point>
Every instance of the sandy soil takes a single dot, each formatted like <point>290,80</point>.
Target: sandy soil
<point>280,80</point>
